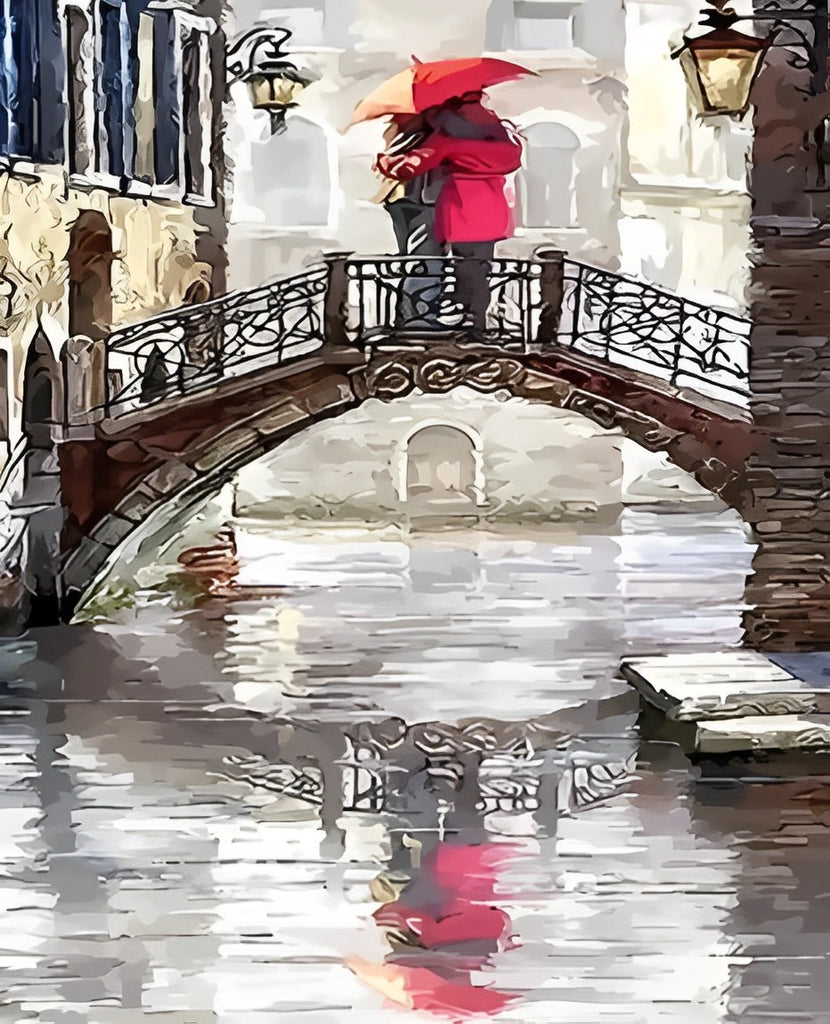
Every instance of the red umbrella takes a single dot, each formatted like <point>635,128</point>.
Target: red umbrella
<point>418,988</point>
<point>430,84</point>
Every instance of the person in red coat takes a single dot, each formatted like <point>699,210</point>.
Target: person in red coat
<point>476,151</point>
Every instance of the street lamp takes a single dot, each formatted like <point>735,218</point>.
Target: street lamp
<point>722,65</point>
<point>274,82</point>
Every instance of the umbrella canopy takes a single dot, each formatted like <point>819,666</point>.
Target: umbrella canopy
<point>431,84</point>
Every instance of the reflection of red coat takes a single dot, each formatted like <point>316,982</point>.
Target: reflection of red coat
<point>472,206</point>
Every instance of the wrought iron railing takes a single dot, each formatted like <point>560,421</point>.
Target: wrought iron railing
<point>393,296</point>
<point>498,758</point>
<point>193,347</point>
<point>625,322</point>
<point>525,305</point>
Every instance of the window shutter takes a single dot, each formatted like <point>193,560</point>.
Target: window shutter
<point>143,109</point>
<point>18,70</point>
<point>112,86</point>
<point>50,113</point>
<point>167,99</point>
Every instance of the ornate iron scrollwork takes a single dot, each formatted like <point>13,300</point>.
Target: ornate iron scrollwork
<point>605,315</point>
<point>194,346</point>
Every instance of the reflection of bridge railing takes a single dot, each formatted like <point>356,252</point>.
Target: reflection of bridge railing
<point>546,302</point>
<point>379,762</point>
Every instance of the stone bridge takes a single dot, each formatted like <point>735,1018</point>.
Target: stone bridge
<point>164,411</point>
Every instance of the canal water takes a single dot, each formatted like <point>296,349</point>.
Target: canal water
<point>208,792</point>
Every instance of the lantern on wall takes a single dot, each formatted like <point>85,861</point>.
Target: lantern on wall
<point>274,82</point>
<point>722,65</point>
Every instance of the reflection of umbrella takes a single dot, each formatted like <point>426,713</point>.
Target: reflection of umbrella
<point>428,85</point>
<point>418,988</point>
<point>471,872</point>
<point>437,949</point>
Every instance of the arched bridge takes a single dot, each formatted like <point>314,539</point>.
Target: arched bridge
<point>169,407</point>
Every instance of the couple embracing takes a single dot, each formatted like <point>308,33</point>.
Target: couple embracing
<point>446,174</point>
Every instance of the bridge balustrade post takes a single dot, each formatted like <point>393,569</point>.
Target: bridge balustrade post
<point>336,301</point>
<point>552,289</point>
<point>85,389</point>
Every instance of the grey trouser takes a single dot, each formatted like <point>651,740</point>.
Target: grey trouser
<point>414,225</point>
<point>473,287</point>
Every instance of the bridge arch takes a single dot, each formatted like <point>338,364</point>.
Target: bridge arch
<point>185,449</point>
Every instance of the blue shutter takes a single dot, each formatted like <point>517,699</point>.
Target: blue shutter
<point>133,11</point>
<point>111,86</point>
<point>18,70</point>
<point>24,50</point>
<point>166,100</point>
<point>50,110</point>
<point>5,72</point>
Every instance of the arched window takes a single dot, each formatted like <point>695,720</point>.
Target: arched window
<point>40,383</point>
<point>290,181</point>
<point>548,179</point>
<point>90,259</point>
<point>442,467</point>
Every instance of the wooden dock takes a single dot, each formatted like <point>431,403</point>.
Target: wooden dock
<point>731,701</point>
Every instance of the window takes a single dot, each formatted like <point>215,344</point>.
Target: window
<point>301,194</point>
<point>140,96</point>
<point>547,181</point>
<point>542,25</point>
<point>442,467</point>
<point>31,59</point>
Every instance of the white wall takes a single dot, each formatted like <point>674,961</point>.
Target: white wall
<point>575,88</point>
<point>685,203</point>
<point>536,461</point>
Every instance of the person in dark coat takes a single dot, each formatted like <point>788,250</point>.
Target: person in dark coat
<point>411,208</point>
<point>476,150</point>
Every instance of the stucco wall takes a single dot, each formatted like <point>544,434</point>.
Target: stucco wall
<point>154,243</point>
<point>685,199</point>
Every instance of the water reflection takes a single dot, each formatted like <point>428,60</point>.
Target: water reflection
<point>253,807</point>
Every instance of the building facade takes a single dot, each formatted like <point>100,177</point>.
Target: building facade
<point>111,199</point>
<point>617,168</point>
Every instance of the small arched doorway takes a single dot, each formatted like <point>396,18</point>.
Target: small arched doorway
<point>547,183</point>
<point>90,259</point>
<point>442,469</point>
<point>40,395</point>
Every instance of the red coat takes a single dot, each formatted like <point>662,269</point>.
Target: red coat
<point>472,206</point>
